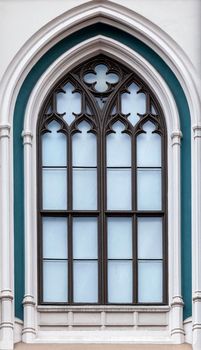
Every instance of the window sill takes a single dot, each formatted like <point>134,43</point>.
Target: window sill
<point>103,308</point>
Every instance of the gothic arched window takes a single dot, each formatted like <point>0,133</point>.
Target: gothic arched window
<point>102,208</point>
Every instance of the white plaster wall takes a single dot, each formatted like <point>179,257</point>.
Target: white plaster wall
<point>19,19</point>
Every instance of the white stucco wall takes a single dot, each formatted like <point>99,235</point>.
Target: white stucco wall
<point>19,19</point>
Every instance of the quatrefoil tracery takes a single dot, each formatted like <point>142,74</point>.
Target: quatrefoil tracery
<point>100,90</point>
<point>101,79</point>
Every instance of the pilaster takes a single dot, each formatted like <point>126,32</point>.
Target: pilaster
<point>177,330</point>
<point>6,249</point>
<point>196,237</point>
<point>29,329</point>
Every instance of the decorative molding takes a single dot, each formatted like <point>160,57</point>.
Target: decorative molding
<point>137,63</point>
<point>6,294</point>
<point>5,130</point>
<point>197,131</point>
<point>176,137</point>
<point>177,301</point>
<point>110,13</point>
<point>77,18</point>
<point>27,138</point>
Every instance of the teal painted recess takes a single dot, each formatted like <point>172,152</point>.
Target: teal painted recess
<point>21,102</point>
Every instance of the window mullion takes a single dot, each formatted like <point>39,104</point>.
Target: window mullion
<point>70,243</point>
<point>103,230</point>
<point>134,226</point>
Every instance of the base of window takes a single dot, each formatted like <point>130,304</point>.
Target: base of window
<point>103,325</point>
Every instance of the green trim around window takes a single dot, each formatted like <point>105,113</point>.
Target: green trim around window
<point>184,113</point>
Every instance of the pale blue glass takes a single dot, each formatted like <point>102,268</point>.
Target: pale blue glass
<point>55,277</point>
<point>149,195</point>
<point>55,237</point>
<point>118,147</point>
<point>54,189</point>
<point>84,146</point>
<point>149,147</point>
<point>120,280</point>
<point>54,146</point>
<point>85,281</point>
<point>119,189</point>
<point>150,281</point>
<point>101,77</point>
<point>150,238</point>
<point>85,189</point>
<point>133,103</point>
<point>69,103</point>
<point>85,238</point>
<point>119,233</point>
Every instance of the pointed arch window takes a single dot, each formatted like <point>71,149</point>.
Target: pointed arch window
<point>102,192</point>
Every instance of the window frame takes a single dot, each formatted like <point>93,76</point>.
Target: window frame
<point>102,246</point>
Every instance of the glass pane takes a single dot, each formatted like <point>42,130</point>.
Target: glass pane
<point>149,147</point>
<point>85,278</point>
<point>133,103</point>
<point>150,238</point>
<point>101,77</point>
<point>84,146</point>
<point>85,240</point>
<point>118,147</point>
<point>54,146</point>
<point>54,189</point>
<point>150,281</point>
<point>55,238</point>
<point>69,103</point>
<point>118,189</point>
<point>119,238</point>
<point>149,189</point>
<point>55,281</point>
<point>153,109</point>
<point>85,189</point>
<point>120,282</point>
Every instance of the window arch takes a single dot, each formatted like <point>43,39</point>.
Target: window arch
<point>102,208</point>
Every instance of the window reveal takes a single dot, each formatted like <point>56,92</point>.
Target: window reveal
<point>102,189</point>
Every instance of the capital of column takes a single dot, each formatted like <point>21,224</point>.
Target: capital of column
<point>5,130</point>
<point>176,137</point>
<point>197,296</point>
<point>197,131</point>
<point>6,294</point>
<point>177,301</point>
<point>27,138</point>
<point>28,300</point>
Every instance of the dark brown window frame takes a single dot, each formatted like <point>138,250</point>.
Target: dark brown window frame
<point>101,127</point>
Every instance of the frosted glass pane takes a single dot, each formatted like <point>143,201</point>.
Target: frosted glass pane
<point>118,147</point>
<point>118,189</point>
<point>85,242</point>
<point>84,146</point>
<point>133,103</point>
<point>150,238</point>
<point>85,189</point>
<point>149,189</point>
<point>69,103</point>
<point>150,281</point>
<point>149,147</point>
<point>153,109</point>
<point>54,146</point>
<point>119,238</point>
<point>101,77</point>
<point>120,282</point>
<point>85,278</point>
<point>54,189</point>
<point>55,238</point>
<point>55,281</point>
